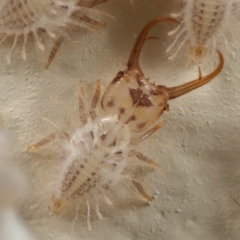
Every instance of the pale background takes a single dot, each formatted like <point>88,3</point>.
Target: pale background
<point>198,148</point>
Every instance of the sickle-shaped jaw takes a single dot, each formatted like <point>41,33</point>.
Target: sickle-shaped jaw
<point>133,62</point>
<point>180,90</point>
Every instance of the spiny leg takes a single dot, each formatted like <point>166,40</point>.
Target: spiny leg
<point>55,48</point>
<point>139,187</point>
<point>178,91</point>
<point>82,105</point>
<point>95,99</point>
<point>144,159</point>
<point>96,2</point>
<point>60,40</point>
<point>90,20</point>
<point>49,138</point>
<point>136,141</point>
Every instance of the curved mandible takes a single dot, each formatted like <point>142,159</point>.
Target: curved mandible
<point>174,92</point>
<point>133,61</point>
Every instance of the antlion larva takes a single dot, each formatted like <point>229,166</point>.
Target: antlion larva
<point>102,153</point>
<point>202,23</point>
<point>23,19</point>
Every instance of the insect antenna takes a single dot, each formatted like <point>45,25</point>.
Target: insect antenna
<point>133,62</point>
<point>178,91</point>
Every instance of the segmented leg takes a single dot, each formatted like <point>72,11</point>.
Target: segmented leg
<point>95,100</point>
<point>82,105</point>
<point>56,46</point>
<point>136,141</point>
<point>96,2</point>
<point>144,159</point>
<point>90,20</point>
<point>139,187</point>
<point>52,136</point>
<point>80,18</point>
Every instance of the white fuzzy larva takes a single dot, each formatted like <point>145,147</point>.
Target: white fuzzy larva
<point>23,19</point>
<point>202,23</point>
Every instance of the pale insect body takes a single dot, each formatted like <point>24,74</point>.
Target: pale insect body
<point>203,22</point>
<point>98,155</point>
<point>21,20</point>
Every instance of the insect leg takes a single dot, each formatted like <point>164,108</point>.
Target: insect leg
<point>55,48</point>
<point>144,159</point>
<point>95,100</point>
<point>60,134</point>
<point>90,20</point>
<point>96,2</point>
<point>139,187</point>
<point>82,105</point>
<point>136,141</point>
